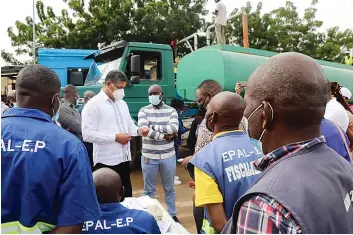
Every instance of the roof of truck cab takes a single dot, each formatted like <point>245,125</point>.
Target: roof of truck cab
<point>151,45</point>
<point>64,52</point>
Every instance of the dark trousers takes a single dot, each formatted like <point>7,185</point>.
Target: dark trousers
<point>89,147</point>
<point>198,216</point>
<point>123,169</point>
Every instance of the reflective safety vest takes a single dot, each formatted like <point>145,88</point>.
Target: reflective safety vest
<point>348,60</point>
<point>228,160</point>
<point>17,228</point>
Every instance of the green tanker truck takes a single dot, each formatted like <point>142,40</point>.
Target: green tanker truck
<point>147,63</point>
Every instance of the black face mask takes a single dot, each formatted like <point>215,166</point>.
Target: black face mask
<point>202,108</point>
<point>207,121</point>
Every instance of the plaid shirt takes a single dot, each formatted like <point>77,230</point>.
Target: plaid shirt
<point>263,214</point>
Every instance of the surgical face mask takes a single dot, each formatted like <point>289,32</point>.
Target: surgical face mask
<point>77,99</point>
<point>15,105</point>
<point>154,99</point>
<point>257,143</point>
<point>55,113</point>
<point>55,118</point>
<point>118,94</point>
<point>207,121</point>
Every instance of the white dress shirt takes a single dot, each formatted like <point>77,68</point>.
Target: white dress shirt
<point>336,112</point>
<point>102,119</point>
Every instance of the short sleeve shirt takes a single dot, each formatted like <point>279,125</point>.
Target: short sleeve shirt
<point>117,219</point>
<point>221,17</point>
<point>45,173</point>
<point>336,113</point>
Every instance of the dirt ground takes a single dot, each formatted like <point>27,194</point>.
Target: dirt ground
<point>183,193</point>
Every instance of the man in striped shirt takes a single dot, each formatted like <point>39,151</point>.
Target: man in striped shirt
<point>158,152</point>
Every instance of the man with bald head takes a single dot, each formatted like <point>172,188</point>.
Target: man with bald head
<point>46,183</point>
<point>306,187</point>
<point>115,218</point>
<point>158,152</point>
<point>223,168</point>
<point>11,98</point>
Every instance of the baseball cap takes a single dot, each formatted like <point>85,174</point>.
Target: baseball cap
<point>346,92</point>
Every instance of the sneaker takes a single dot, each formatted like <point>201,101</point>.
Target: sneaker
<point>176,219</point>
<point>177,182</point>
<point>176,177</point>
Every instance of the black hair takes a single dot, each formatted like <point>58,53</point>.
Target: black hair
<point>69,89</point>
<point>116,76</point>
<point>37,80</point>
<point>336,92</point>
<point>210,85</point>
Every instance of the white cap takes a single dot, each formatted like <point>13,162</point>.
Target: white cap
<point>346,93</point>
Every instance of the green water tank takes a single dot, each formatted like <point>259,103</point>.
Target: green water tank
<point>230,64</point>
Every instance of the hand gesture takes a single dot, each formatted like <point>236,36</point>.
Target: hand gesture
<point>143,131</point>
<point>186,160</point>
<point>238,89</point>
<point>122,138</point>
<point>170,137</point>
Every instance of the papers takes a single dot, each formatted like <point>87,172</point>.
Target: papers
<point>164,226</point>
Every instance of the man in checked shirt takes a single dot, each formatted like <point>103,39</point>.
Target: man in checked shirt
<point>306,187</point>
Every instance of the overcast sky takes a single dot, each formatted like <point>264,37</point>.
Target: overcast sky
<point>332,13</point>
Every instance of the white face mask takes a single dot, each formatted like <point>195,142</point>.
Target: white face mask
<point>119,94</point>
<point>154,99</point>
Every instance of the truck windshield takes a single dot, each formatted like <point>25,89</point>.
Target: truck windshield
<point>98,71</point>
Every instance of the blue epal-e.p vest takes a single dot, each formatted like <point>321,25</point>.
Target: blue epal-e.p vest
<point>314,184</point>
<point>117,219</point>
<point>228,159</point>
<point>46,179</point>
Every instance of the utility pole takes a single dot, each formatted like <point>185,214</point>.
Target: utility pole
<point>34,32</point>
<point>245,30</point>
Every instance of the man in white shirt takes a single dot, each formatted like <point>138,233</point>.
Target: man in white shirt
<point>337,113</point>
<point>106,122</point>
<point>221,21</point>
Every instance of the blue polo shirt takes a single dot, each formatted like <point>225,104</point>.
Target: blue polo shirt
<point>117,219</point>
<point>334,138</point>
<point>46,179</point>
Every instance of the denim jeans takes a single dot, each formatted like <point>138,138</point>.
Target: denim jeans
<point>166,168</point>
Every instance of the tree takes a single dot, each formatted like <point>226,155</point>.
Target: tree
<point>10,58</point>
<point>282,30</point>
<point>157,21</point>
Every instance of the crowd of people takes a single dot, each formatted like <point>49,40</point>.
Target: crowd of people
<point>278,160</point>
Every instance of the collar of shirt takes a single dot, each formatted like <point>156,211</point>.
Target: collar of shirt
<point>114,206</point>
<point>263,163</point>
<point>31,113</point>
<point>226,133</point>
<point>68,103</point>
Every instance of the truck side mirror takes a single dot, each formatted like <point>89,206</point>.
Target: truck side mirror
<point>135,80</point>
<point>135,64</point>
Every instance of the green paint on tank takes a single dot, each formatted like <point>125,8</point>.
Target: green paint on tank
<point>229,65</point>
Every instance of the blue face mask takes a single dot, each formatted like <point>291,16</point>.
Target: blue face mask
<point>154,99</point>
<point>256,143</point>
<point>56,116</point>
<point>15,105</point>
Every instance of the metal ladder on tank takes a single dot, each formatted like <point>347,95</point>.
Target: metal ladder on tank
<point>206,34</point>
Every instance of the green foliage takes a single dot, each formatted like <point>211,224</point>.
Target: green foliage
<point>157,21</point>
<point>283,30</point>
<point>161,21</point>
<point>9,58</point>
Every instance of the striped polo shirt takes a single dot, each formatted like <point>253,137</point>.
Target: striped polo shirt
<point>161,121</point>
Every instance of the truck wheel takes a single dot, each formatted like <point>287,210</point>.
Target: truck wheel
<point>135,148</point>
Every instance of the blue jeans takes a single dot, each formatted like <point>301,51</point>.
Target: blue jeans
<point>166,168</point>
